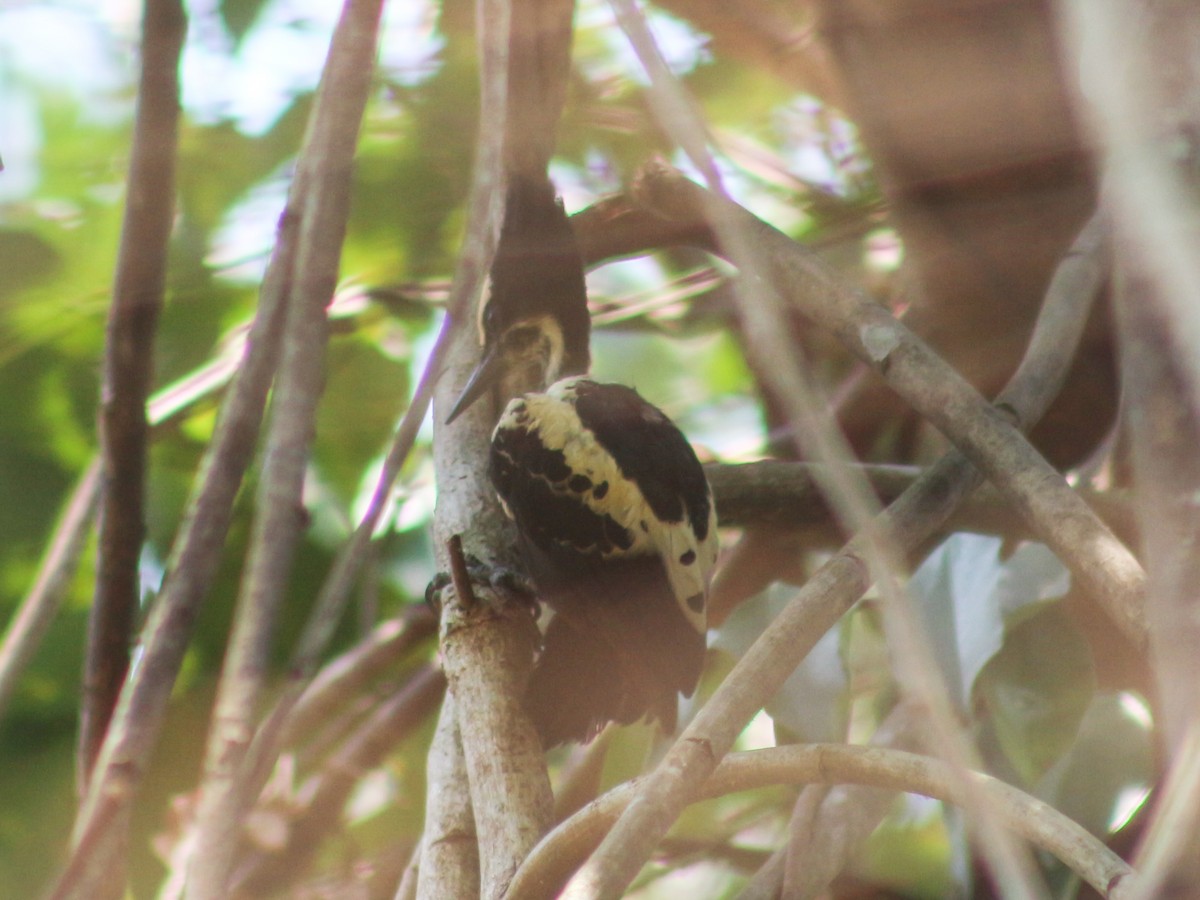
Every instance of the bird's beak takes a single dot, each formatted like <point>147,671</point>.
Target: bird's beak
<point>485,375</point>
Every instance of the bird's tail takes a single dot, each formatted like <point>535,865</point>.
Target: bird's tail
<point>579,684</point>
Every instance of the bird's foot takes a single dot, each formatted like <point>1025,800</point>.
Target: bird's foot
<point>515,585</point>
<point>511,583</point>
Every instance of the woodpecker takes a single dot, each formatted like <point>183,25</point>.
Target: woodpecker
<point>615,518</point>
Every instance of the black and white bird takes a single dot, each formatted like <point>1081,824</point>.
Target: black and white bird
<point>615,517</point>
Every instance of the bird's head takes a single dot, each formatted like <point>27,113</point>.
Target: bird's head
<point>534,326</point>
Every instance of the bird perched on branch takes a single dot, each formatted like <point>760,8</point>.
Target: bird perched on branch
<point>614,515</point>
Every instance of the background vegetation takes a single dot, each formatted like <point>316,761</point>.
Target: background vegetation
<point>933,153</point>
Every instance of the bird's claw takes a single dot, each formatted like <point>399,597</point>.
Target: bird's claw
<point>512,583</point>
<point>433,592</point>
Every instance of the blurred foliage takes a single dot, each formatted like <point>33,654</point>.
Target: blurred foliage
<point>1029,684</point>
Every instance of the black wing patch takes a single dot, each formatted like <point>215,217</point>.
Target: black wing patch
<point>533,480</point>
<point>649,449</point>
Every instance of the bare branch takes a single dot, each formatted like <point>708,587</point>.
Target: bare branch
<point>487,649</point>
<point>1042,825</point>
<point>617,226</point>
<point>331,141</point>
<point>324,797</point>
<point>138,289</point>
<point>59,564</point>
<point>785,494</point>
<point>449,865</point>
<point>1138,70</point>
<point>347,675</point>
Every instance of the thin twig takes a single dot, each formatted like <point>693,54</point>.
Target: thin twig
<point>28,627</point>
<point>459,576</point>
<point>332,139</point>
<point>828,826</point>
<point>896,770</point>
<point>324,797</point>
<point>138,288</point>
<point>336,590</point>
<point>348,674</point>
<point>785,494</point>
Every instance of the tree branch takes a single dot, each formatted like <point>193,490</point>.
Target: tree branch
<point>786,494</point>
<point>896,770</point>
<point>58,566</point>
<point>138,288</point>
<point>1137,67</point>
<point>337,116</point>
<point>449,865</point>
<point>324,797</point>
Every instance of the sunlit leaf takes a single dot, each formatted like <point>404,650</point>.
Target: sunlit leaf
<point>965,592</point>
<point>811,705</point>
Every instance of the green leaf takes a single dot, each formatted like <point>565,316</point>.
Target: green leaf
<point>1109,767</point>
<point>811,705</point>
<point>1035,691</point>
<point>26,259</point>
<point>366,393</point>
<point>965,592</point>
<point>911,851</point>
